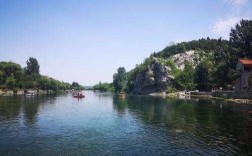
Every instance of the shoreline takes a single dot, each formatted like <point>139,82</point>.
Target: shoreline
<point>178,95</point>
<point>183,95</point>
<point>21,92</point>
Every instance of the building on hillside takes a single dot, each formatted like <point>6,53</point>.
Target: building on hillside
<point>244,70</point>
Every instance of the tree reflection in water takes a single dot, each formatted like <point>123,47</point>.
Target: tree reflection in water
<point>213,123</point>
<point>28,107</point>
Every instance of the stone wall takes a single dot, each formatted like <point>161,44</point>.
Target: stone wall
<point>201,93</point>
<point>233,94</point>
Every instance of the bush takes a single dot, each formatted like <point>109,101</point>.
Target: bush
<point>15,90</point>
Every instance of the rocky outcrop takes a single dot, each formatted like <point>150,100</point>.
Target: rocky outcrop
<point>191,56</point>
<point>157,76</point>
<point>154,79</point>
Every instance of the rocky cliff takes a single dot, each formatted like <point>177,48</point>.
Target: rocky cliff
<point>154,79</point>
<point>190,56</point>
<point>157,76</point>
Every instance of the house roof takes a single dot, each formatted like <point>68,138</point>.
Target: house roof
<point>246,62</point>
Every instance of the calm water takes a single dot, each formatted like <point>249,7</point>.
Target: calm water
<point>103,124</point>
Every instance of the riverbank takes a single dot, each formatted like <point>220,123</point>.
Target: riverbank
<point>22,92</point>
<point>244,97</point>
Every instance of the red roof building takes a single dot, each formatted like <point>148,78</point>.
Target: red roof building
<point>246,63</point>
<point>244,70</point>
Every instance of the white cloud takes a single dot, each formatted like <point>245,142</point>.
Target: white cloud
<point>237,12</point>
<point>237,2</point>
<point>222,27</point>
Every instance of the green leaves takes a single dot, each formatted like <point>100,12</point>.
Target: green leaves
<point>202,76</point>
<point>10,82</point>
<point>120,79</point>
<point>105,87</point>
<point>241,38</point>
<point>13,77</point>
<point>32,66</point>
<point>185,77</point>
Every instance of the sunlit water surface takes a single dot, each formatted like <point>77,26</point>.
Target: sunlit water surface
<point>103,124</point>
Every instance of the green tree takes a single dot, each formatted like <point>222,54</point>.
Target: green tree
<point>1,77</point>
<point>105,87</point>
<point>201,76</point>
<point>32,66</point>
<point>185,78</point>
<point>241,38</point>
<point>10,82</point>
<point>75,85</point>
<point>220,74</point>
<point>119,79</point>
<point>10,68</point>
<point>45,83</point>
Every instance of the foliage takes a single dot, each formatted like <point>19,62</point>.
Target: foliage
<point>201,76</point>
<point>77,86</point>
<point>32,66</point>
<point>105,87</point>
<point>241,38</point>
<point>185,77</point>
<point>206,45</point>
<point>8,69</point>
<point>10,82</point>
<point>119,79</point>
<point>216,64</point>
<point>14,77</point>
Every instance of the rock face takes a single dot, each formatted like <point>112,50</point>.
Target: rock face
<point>157,77</point>
<point>154,79</point>
<point>190,56</point>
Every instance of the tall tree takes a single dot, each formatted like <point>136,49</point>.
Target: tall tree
<point>201,76</point>
<point>241,38</point>
<point>32,66</point>
<point>119,79</point>
<point>185,78</point>
<point>75,85</point>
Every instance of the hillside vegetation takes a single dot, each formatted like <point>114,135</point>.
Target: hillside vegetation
<point>202,64</point>
<point>14,77</point>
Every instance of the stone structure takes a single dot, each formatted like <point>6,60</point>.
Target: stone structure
<point>244,70</point>
<point>233,94</point>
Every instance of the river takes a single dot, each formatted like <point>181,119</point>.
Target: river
<point>103,124</point>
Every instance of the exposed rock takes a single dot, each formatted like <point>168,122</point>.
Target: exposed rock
<point>154,79</point>
<point>190,56</point>
<point>157,76</point>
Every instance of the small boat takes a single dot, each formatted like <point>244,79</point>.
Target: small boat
<point>79,96</point>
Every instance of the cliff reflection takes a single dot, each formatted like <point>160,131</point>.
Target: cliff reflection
<point>201,118</point>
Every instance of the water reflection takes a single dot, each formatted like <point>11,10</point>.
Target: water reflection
<point>209,123</point>
<point>28,107</point>
<point>136,125</point>
<point>9,108</point>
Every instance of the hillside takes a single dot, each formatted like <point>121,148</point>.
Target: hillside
<point>159,74</point>
<point>201,64</point>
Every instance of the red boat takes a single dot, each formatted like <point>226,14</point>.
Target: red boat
<point>79,96</point>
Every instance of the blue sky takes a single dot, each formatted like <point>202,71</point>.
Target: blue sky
<point>86,41</point>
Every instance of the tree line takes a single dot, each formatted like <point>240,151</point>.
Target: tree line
<point>14,77</point>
